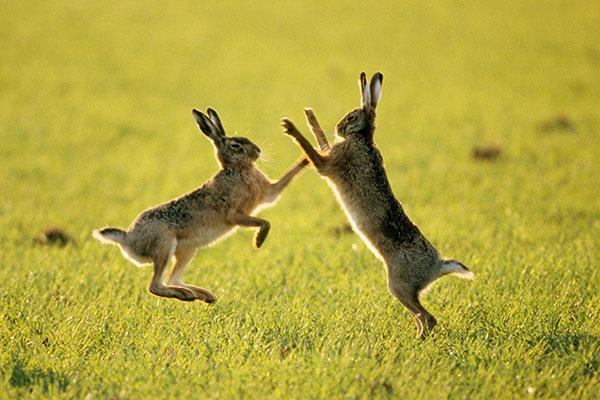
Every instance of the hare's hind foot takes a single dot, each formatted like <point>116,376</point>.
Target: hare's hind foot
<point>201,294</point>
<point>183,256</point>
<point>180,293</point>
<point>427,323</point>
<point>183,292</point>
<point>157,287</point>
<point>410,299</point>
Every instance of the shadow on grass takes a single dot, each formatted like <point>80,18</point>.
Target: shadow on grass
<point>567,344</point>
<point>46,378</point>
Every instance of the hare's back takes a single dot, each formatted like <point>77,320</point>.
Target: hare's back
<point>176,211</point>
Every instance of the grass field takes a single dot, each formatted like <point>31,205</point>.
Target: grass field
<point>95,126</point>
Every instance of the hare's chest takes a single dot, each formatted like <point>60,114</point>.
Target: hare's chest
<point>357,183</point>
<point>250,194</point>
<point>246,200</point>
<point>351,200</point>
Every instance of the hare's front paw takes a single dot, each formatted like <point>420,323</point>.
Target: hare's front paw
<point>261,235</point>
<point>259,240</point>
<point>289,128</point>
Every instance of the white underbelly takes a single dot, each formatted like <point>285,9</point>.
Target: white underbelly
<point>357,218</point>
<point>207,236</point>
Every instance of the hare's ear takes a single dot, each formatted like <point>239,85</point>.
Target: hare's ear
<point>214,117</point>
<point>365,92</point>
<point>376,82</point>
<point>206,126</point>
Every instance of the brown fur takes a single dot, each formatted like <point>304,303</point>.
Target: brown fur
<point>177,228</point>
<point>355,171</point>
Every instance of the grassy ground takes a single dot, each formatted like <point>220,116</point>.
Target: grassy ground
<point>95,126</point>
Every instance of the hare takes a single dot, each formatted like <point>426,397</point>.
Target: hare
<point>354,169</point>
<point>179,227</point>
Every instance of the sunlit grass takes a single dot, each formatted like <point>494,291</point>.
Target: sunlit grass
<point>95,126</point>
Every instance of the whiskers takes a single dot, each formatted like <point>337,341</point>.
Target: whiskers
<point>265,158</point>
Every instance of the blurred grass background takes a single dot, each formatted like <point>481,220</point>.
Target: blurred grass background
<point>95,125</point>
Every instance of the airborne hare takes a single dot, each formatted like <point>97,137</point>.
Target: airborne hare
<point>176,229</point>
<point>354,169</point>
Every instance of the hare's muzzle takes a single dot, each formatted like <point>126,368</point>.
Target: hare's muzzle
<point>256,152</point>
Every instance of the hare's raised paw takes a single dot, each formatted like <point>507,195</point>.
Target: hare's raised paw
<point>258,241</point>
<point>261,235</point>
<point>289,128</point>
<point>311,118</point>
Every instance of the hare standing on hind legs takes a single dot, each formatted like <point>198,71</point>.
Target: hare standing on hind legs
<point>354,169</point>
<point>179,227</point>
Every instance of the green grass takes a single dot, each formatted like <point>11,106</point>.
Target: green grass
<point>95,126</point>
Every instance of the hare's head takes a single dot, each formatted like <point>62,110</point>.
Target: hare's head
<point>231,151</point>
<point>361,120</point>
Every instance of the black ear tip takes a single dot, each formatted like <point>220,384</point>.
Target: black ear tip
<point>195,112</point>
<point>211,110</point>
<point>379,76</point>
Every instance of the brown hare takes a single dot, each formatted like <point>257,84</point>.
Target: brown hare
<point>354,169</point>
<point>179,227</point>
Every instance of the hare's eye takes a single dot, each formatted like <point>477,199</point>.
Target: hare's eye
<point>351,118</point>
<point>236,146</point>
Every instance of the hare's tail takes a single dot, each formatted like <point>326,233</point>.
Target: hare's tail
<point>110,235</point>
<point>456,268</point>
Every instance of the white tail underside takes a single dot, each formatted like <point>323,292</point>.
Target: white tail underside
<point>457,269</point>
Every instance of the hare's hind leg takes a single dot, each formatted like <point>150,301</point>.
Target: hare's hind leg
<point>410,299</point>
<point>182,258</point>
<point>157,287</point>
